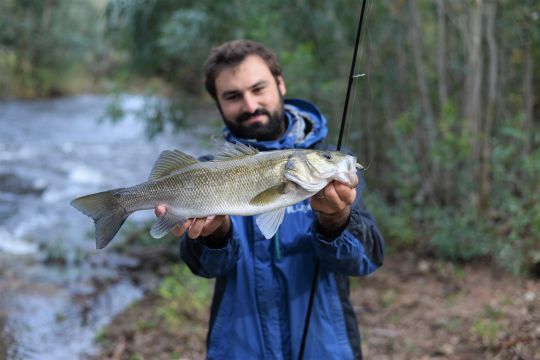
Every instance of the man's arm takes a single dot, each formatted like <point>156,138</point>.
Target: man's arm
<point>346,237</point>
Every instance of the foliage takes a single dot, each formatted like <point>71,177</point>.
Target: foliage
<point>489,327</point>
<point>45,44</point>
<point>157,113</point>
<point>186,296</point>
<point>459,235</point>
<point>517,209</point>
<point>507,234</point>
<point>395,222</point>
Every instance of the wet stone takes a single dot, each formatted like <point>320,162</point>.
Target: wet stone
<point>13,183</point>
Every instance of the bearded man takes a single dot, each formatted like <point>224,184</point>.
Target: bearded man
<point>262,286</point>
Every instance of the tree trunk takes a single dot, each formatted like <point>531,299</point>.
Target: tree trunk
<point>473,87</point>
<point>528,75</point>
<point>473,81</point>
<point>430,172</point>
<point>441,52</point>
<point>484,183</point>
<point>403,95</point>
<point>417,45</point>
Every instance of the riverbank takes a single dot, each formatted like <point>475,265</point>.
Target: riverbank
<point>412,308</point>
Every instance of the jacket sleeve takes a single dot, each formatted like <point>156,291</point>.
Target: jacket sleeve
<point>358,250</point>
<point>206,261</point>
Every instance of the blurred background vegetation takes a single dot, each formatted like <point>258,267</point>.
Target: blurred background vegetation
<point>447,115</point>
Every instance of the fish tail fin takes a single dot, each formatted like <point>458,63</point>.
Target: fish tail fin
<point>107,212</point>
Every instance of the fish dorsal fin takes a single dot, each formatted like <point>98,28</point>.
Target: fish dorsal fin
<point>229,151</point>
<point>170,161</point>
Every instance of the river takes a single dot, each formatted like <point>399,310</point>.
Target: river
<point>53,300</point>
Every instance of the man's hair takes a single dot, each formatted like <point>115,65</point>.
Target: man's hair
<point>232,53</point>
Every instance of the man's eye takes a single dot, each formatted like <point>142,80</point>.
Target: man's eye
<point>258,90</point>
<point>231,97</point>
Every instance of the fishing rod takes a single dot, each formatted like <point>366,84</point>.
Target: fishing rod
<point>316,272</point>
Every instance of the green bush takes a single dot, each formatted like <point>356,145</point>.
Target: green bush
<point>459,235</point>
<point>186,296</point>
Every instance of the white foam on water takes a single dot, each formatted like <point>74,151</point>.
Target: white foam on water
<point>85,175</point>
<point>11,245</point>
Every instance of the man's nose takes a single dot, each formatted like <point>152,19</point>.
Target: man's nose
<point>250,103</point>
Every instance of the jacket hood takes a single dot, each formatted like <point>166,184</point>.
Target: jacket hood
<point>306,126</point>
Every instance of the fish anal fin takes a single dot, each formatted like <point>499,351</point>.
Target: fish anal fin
<point>170,161</point>
<point>166,223</point>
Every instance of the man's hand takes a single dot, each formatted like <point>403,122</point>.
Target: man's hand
<point>333,207</point>
<point>218,226</point>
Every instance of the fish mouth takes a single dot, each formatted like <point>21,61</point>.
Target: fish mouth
<point>349,176</point>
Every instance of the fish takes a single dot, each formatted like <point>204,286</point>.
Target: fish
<point>240,180</point>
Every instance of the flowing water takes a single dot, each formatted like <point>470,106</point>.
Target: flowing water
<point>56,290</point>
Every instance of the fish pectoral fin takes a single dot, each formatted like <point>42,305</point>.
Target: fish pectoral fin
<point>272,194</point>
<point>170,161</point>
<point>269,222</point>
<point>166,223</point>
<point>229,151</point>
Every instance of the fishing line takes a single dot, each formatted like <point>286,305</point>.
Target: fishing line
<point>370,146</point>
<point>362,77</point>
<point>341,130</point>
<point>351,78</point>
<point>349,131</point>
<point>363,126</point>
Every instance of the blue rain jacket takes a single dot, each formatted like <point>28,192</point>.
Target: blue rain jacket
<point>262,286</point>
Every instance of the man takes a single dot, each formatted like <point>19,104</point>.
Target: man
<point>262,286</point>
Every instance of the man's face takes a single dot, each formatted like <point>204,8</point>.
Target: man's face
<point>250,100</point>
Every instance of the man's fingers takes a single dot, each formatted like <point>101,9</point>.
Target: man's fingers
<point>212,223</point>
<point>345,193</point>
<point>334,198</point>
<point>180,229</point>
<point>331,195</point>
<point>199,227</point>
<point>160,210</point>
<point>196,228</point>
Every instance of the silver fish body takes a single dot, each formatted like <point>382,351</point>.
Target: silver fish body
<point>240,181</point>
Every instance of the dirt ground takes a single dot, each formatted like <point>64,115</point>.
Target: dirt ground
<point>409,309</point>
<point>424,309</point>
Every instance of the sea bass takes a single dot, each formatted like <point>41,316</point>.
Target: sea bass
<point>239,181</point>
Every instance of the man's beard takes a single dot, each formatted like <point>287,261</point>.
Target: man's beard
<point>261,132</point>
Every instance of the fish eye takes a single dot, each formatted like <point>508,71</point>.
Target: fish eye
<point>327,156</point>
